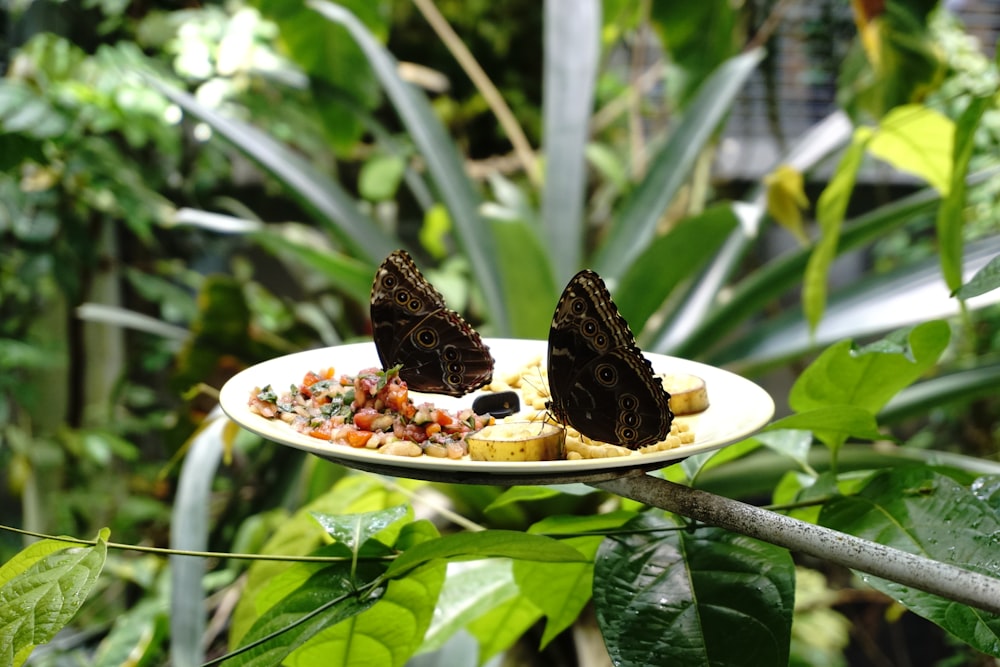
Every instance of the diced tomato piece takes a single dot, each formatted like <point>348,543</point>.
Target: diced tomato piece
<point>443,418</point>
<point>432,429</point>
<point>310,379</point>
<point>322,431</point>
<point>414,433</point>
<point>358,439</point>
<point>365,417</point>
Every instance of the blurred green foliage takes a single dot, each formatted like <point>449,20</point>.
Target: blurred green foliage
<point>105,179</point>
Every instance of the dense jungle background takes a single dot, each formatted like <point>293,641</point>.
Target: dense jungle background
<point>806,193</point>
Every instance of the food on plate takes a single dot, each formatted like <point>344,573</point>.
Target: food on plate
<point>517,441</point>
<point>688,394</point>
<point>532,381</point>
<point>371,410</point>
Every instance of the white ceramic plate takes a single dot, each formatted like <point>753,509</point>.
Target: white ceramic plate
<point>738,408</point>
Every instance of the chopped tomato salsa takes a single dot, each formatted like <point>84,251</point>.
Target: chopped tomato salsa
<point>372,410</point>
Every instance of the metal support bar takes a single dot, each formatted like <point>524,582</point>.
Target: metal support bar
<point>951,582</point>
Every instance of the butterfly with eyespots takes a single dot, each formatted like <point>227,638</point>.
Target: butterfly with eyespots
<point>600,382</point>
<point>438,351</point>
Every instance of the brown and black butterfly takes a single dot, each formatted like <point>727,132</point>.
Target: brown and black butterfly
<point>600,382</point>
<point>439,351</point>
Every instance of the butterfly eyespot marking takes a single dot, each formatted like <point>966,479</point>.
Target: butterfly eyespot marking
<point>631,419</point>
<point>450,354</point>
<point>601,340</point>
<point>578,307</point>
<point>454,379</point>
<point>627,403</point>
<point>389,282</point>
<point>427,338</point>
<point>626,434</point>
<point>414,305</point>
<point>402,296</point>
<point>456,368</point>
<point>606,375</point>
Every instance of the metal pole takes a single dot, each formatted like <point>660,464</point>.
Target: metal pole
<point>954,583</point>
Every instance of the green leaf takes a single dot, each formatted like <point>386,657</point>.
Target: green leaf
<point>693,466</point>
<point>868,377</point>
<point>951,388</point>
<point>350,276</point>
<point>487,543</point>
<point>319,194</point>
<point>353,530</point>
<point>922,511</point>
<point>326,54</point>
<point>137,635</point>
<point>754,293</point>
<point>326,598</point>
<point>380,177</point>
<point>873,305</point>
<point>795,444</point>
<point>837,422</point>
<point>986,280</point>
<point>635,224</point>
<point>572,43</point>
<point>830,210</point>
<point>41,589</point>
<point>299,535</point>
<point>561,590</point>
<point>669,260</point>
<point>918,140</point>
<point>699,37</point>
<point>442,158</point>
<point>987,489</point>
<point>23,111</point>
<point>471,589</point>
<point>498,629</point>
<point>951,215</point>
<point>388,633</point>
<point>529,285</point>
<point>687,598</point>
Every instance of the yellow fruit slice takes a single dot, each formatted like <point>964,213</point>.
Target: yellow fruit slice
<point>517,441</point>
<point>688,394</point>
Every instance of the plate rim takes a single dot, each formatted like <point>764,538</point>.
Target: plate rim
<point>234,393</point>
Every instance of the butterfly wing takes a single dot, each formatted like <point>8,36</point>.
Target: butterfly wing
<point>600,383</point>
<point>411,325</point>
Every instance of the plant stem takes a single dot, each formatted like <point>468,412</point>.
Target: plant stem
<point>953,583</point>
<point>479,78</point>
<point>196,554</point>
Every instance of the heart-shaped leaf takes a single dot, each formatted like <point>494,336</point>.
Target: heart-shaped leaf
<point>868,377</point>
<point>708,597</point>
<point>353,530</point>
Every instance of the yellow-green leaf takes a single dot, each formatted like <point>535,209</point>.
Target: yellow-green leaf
<point>786,199</point>
<point>830,211</point>
<point>919,141</point>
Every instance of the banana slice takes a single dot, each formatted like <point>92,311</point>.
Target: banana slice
<point>688,394</point>
<point>517,441</point>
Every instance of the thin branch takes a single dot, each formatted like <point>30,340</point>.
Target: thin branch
<point>485,86</point>
<point>769,26</point>
<point>954,583</point>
